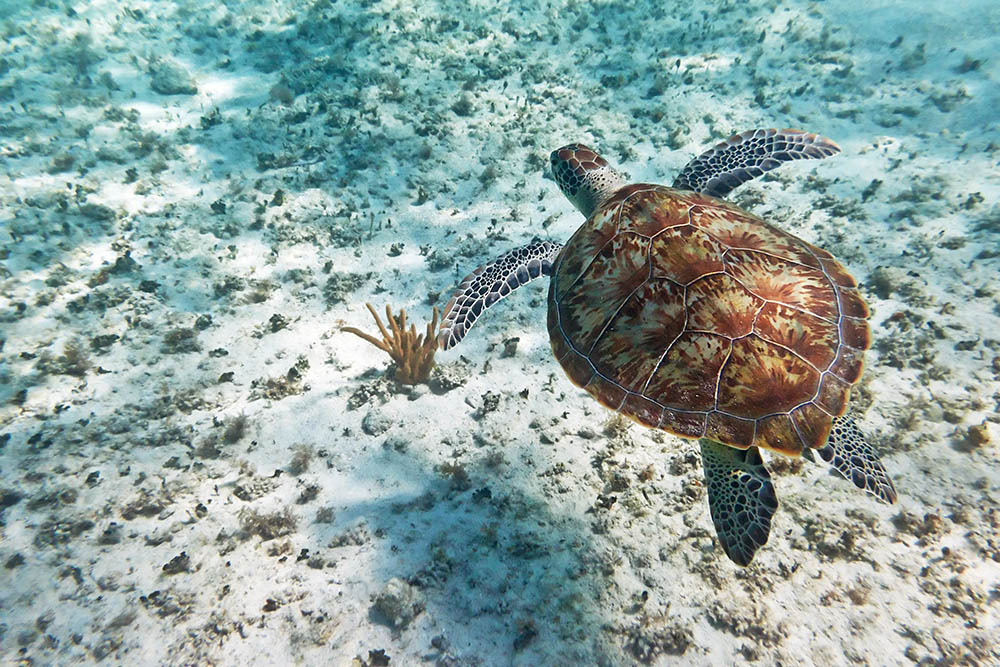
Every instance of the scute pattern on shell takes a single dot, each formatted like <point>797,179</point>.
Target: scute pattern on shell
<point>692,315</point>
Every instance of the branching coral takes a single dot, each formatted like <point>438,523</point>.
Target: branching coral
<point>413,354</point>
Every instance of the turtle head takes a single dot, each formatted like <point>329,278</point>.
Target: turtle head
<point>584,177</point>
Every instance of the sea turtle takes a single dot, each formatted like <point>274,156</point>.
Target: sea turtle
<point>691,315</point>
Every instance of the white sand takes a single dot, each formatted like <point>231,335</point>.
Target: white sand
<point>115,462</point>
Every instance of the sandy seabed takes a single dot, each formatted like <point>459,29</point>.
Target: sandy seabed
<point>197,466</point>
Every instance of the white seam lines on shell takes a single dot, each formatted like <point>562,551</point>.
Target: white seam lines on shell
<point>706,413</point>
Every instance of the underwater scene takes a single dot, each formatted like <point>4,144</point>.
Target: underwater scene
<point>427,332</point>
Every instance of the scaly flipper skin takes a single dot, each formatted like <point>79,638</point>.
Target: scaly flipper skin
<point>492,282</point>
<point>848,452</point>
<point>740,496</point>
<point>742,157</point>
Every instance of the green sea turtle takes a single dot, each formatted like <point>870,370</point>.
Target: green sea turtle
<point>690,315</point>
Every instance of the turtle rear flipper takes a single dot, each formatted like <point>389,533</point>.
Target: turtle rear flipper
<point>745,156</point>
<point>740,497</point>
<point>489,283</point>
<point>850,454</point>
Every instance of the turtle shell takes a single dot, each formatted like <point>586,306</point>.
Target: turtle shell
<point>689,314</point>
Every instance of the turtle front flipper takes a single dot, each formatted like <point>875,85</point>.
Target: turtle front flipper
<point>492,282</point>
<point>850,454</point>
<point>743,157</point>
<point>740,496</point>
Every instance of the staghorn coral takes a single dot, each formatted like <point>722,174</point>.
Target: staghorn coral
<point>413,354</point>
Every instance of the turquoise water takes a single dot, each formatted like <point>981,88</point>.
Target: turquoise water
<point>198,466</point>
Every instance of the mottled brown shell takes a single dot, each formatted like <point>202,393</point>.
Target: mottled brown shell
<point>694,316</point>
